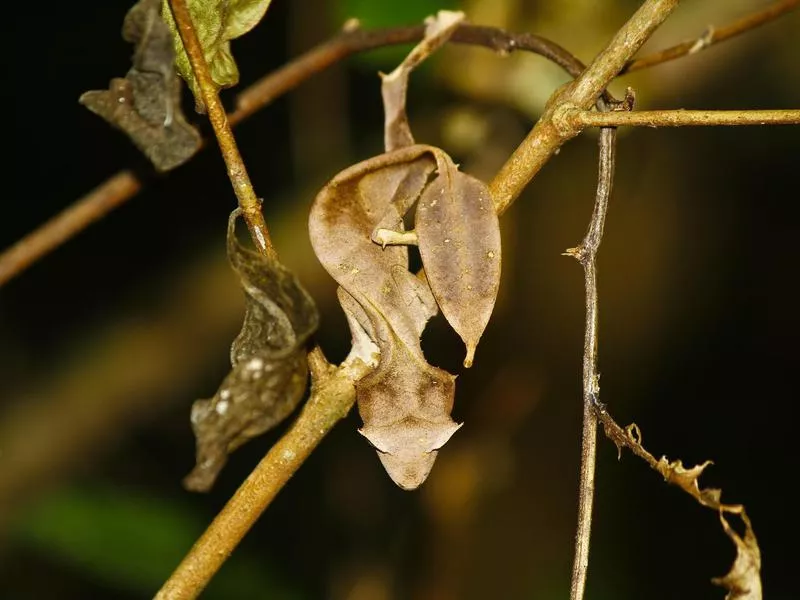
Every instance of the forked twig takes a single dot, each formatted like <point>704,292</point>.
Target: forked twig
<point>112,193</point>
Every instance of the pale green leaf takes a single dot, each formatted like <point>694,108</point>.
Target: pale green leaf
<point>216,22</point>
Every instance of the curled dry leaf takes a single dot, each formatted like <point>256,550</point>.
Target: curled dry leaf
<point>270,368</point>
<point>743,582</point>
<point>145,104</point>
<point>216,22</point>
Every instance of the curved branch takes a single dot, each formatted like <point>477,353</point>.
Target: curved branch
<point>124,185</point>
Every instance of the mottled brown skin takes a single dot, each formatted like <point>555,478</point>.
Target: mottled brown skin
<point>405,403</point>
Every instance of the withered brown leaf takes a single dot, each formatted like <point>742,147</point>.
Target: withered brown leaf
<point>270,369</point>
<point>743,581</point>
<point>145,104</point>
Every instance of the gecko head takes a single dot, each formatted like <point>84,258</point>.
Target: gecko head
<point>408,449</point>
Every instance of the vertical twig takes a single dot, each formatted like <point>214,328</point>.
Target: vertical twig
<point>237,172</point>
<point>585,253</point>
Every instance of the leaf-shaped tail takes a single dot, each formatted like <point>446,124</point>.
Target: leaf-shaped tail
<point>458,233</point>
<point>395,85</point>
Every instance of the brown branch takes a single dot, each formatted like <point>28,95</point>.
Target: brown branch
<point>94,206</point>
<point>586,254</point>
<point>545,138</point>
<point>570,118</point>
<point>332,397</point>
<point>237,172</point>
<point>63,226</point>
<point>713,36</point>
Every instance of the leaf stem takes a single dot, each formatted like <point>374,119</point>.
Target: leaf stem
<point>237,172</point>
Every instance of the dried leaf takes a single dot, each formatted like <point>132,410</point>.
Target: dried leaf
<point>216,22</point>
<point>145,105</point>
<point>270,368</point>
<point>459,242</point>
<point>744,579</point>
<point>743,582</point>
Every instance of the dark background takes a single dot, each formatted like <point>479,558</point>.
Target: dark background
<point>105,343</point>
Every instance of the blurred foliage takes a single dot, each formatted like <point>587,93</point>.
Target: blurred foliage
<point>132,541</point>
<point>371,15</point>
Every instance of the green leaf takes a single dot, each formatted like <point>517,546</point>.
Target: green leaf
<point>216,22</point>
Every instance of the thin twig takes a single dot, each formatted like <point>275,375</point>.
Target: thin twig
<point>237,172</point>
<point>63,226</point>
<point>713,36</point>
<point>545,138</point>
<point>570,118</point>
<point>92,207</point>
<point>332,397</point>
<point>586,254</point>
